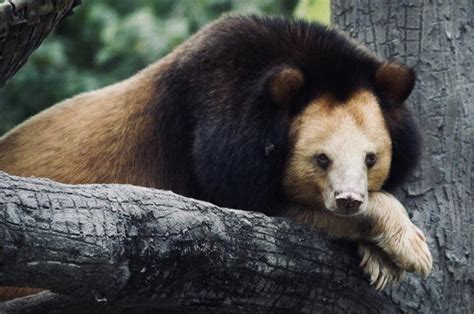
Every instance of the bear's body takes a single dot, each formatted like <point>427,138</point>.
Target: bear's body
<point>200,122</point>
<point>217,120</point>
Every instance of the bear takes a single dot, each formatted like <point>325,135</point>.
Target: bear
<point>282,116</point>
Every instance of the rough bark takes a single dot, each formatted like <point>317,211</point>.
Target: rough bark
<point>436,38</point>
<point>129,247</point>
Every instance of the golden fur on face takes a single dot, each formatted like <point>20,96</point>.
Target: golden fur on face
<point>345,132</point>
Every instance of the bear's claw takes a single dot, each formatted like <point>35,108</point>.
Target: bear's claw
<point>379,267</point>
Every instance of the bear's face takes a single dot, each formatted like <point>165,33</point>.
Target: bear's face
<point>341,151</point>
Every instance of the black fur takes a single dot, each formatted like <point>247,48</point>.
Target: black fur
<point>216,121</point>
<point>406,146</point>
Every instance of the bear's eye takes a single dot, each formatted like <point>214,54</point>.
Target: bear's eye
<point>323,161</point>
<point>370,159</point>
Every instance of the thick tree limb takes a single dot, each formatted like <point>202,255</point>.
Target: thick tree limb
<point>136,247</point>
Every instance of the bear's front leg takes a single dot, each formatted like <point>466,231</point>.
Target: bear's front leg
<point>388,241</point>
<point>395,234</point>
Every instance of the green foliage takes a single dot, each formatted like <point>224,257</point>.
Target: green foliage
<point>106,41</point>
<point>314,10</point>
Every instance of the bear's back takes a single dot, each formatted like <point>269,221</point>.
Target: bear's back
<point>93,137</point>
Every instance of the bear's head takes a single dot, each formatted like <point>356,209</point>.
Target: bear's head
<point>341,149</point>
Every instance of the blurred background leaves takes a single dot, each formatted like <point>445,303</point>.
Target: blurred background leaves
<point>106,41</point>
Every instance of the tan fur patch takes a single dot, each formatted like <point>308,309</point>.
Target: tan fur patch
<point>327,126</point>
<point>93,137</point>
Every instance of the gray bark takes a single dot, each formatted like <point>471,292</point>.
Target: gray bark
<point>436,38</point>
<point>118,247</point>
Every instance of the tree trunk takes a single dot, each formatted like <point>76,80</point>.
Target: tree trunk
<point>436,38</point>
<point>119,246</point>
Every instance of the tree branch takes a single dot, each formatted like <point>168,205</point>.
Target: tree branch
<point>127,246</point>
<point>42,302</point>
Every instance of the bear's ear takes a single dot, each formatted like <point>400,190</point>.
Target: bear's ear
<point>284,83</point>
<point>395,81</point>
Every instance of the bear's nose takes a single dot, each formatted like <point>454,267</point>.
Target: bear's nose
<point>348,203</point>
